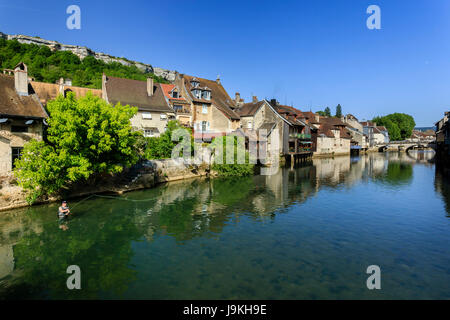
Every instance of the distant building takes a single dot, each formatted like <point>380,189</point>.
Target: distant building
<point>360,141</point>
<point>333,137</point>
<point>22,116</point>
<point>154,110</point>
<point>376,134</point>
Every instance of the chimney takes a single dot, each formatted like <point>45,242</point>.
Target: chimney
<point>104,93</point>
<point>218,79</point>
<point>274,102</point>
<point>150,86</point>
<point>255,99</point>
<point>61,85</point>
<point>238,97</point>
<point>21,79</point>
<point>316,117</point>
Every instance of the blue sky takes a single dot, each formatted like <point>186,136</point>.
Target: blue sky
<point>310,54</point>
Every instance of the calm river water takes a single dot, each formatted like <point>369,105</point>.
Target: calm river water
<point>307,233</point>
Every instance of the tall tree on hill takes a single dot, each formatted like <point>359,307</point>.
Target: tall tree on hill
<point>338,111</point>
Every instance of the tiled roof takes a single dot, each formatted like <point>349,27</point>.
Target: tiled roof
<point>167,89</point>
<point>134,93</point>
<point>249,109</point>
<point>13,104</point>
<point>219,97</point>
<point>49,91</point>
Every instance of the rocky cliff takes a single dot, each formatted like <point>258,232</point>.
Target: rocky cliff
<point>83,52</point>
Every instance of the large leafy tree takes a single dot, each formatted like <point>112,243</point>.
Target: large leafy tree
<point>399,125</point>
<point>85,136</point>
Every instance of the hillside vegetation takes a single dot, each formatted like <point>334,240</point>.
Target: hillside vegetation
<point>48,66</point>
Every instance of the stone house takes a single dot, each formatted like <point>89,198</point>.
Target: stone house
<point>154,112</point>
<point>355,128</point>
<point>376,134</point>
<point>297,134</point>
<point>178,103</point>
<point>22,116</point>
<point>333,137</point>
<point>212,109</point>
<point>260,115</point>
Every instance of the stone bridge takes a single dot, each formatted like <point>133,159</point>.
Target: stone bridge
<point>406,145</point>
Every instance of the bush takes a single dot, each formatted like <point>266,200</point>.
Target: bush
<point>233,169</point>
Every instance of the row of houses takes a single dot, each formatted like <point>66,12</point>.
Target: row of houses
<point>201,104</point>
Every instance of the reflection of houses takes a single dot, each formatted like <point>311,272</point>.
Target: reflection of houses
<point>153,109</point>
<point>443,138</point>
<point>212,109</point>
<point>21,116</point>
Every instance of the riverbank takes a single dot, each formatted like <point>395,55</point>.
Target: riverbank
<point>149,175</point>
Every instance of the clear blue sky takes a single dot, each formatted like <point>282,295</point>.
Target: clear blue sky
<point>305,53</point>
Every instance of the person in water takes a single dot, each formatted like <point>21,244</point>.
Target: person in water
<point>63,213</point>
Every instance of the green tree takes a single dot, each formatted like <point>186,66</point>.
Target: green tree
<point>327,112</point>
<point>338,111</point>
<point>161,147</point>
<point>85,136</point>
<point>399,125</point>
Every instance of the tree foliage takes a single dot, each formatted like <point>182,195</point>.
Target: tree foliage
<point>399,125</point>
<point>85,136</point>
<point>161,147</point>
<point>48,66</point>
<point>230,169</point>
<point>338,111</point>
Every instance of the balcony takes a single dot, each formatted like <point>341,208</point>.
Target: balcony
<point>301,136</point>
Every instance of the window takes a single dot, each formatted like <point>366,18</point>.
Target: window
<point>204,109</point>
<point>195,83</point>
<point>148,133</point>
<point>249,125</point>
<point>177,108</point>
<point>197,93</point>
<point>174,94</point>
<point>206,95</point>
<point>163,116</point>
<point>16,154</point>
<point>146,115</point>
<point>204,126</point>
<point>19,129</point>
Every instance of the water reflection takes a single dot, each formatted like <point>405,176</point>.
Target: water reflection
<point>125,247</point>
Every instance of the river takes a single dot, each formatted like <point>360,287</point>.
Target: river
<point>303,233</point>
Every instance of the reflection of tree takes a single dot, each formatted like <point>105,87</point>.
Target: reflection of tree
<point>397,173</point>
<point>100,244</point>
